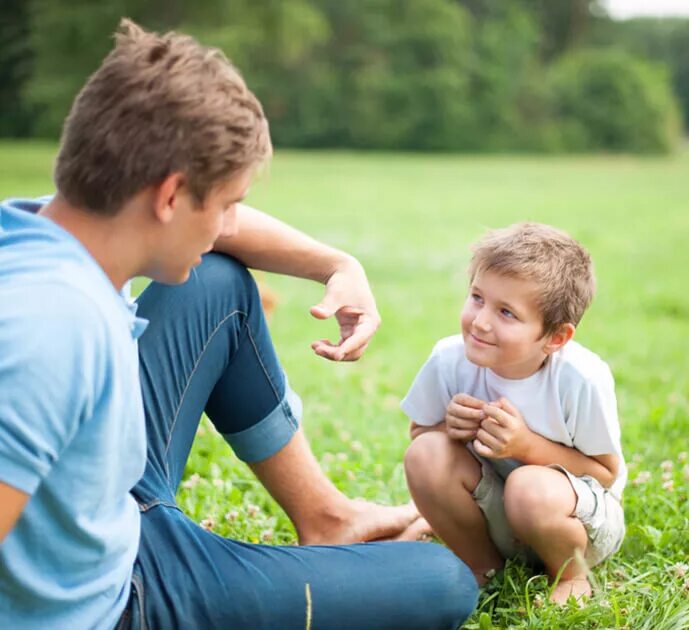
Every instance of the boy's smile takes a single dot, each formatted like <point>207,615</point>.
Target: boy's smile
<point>502,326</point>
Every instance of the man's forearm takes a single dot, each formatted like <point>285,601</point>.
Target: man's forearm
<point>263,242</point>
<point>543,452</point>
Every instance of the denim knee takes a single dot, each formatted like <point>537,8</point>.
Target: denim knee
<point>449,584</point>
<point>224,277</point>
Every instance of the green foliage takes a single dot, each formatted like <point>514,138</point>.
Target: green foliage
<point>664,41</point>
<point>448,75</point>
<point>15,68</point>
<point>605,99</point>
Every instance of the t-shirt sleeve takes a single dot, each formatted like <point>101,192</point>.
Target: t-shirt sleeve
<point>592,419</point>
<point>50,361</point>
<point>432,390</point>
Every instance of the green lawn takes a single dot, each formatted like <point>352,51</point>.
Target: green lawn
<point>410,220</point>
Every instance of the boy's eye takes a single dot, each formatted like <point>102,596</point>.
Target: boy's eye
<point>476,297</point>
<point>507,313</point>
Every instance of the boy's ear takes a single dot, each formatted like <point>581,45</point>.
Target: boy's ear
<point>557,339</point>
<point>166,197</point>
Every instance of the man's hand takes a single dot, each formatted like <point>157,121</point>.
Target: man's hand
<point>503,433</point>
<point>349,298</point>
<point>463,417</point>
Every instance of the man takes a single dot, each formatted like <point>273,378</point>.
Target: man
<point>97,420</point>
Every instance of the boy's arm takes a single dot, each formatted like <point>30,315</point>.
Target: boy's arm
<point>265,243</point>
<point>542,451</point>
<point>12,502</point>
<point>504,434</point>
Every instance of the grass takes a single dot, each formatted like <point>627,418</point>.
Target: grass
<point>410,219</point>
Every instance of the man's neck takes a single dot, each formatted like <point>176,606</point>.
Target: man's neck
<point>109,239</point>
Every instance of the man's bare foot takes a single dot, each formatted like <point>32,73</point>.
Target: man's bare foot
<point>362,521</point>
<point>579,588</point>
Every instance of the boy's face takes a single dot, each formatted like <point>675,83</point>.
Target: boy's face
<point>502,326</point>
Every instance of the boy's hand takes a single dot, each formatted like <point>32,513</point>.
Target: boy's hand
<point>463,417</point>
<point>503,434</point>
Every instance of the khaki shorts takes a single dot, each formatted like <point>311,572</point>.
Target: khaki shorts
<point>598,510</point>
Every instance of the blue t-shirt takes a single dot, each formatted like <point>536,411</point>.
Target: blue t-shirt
<point>72,432</point>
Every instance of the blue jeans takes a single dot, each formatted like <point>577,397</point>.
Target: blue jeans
<point>208,349</point>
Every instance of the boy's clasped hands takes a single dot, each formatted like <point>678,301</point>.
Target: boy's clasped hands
<point>495,429</point>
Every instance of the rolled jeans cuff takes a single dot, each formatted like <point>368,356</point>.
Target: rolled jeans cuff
<point>272,433</point>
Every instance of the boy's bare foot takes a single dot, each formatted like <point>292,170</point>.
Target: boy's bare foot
<point>579,588</point>
<point>362,521</point>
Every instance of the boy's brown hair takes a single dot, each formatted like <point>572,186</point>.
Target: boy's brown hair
<point>559,266</point>
<point>158,104</point>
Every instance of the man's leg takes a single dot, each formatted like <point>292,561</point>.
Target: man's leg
<point>442,476</point>
<point>208,347</point>
<point>540,504</point>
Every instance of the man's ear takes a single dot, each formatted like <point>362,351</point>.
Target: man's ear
<point>557,339</point>
<point>166,197</point>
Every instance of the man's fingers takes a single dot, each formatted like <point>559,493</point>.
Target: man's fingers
<point>334,352</point>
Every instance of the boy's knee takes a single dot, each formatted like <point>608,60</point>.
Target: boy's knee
<point>525,494</point>
<point>422,458</point>
<point>528,498</point>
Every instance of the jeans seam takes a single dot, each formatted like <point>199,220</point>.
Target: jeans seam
<point>262,364</point>
<point>186,387</point>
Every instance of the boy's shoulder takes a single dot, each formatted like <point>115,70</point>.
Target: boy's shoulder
<point>578,367</point>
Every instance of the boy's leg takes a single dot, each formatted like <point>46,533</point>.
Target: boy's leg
<point>540,504</point>
<point>442,476</point>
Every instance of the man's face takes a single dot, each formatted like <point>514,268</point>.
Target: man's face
<point>194,229</point>
<point>502,325</point>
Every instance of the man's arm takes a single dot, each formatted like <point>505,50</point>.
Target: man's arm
<point>12,502</point>
<point>265,243</point>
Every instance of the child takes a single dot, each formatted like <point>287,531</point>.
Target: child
<point>516,441</point>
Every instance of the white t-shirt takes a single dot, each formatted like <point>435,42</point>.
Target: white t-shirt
<point>570,400</point>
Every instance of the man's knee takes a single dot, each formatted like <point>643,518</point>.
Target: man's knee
<point>448,583</point>
<point>225,277</point>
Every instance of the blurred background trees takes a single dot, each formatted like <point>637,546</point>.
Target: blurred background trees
<point>451,75</point>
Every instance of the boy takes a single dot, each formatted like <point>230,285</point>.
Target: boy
<point>97,417</point>
<point>516,441</point>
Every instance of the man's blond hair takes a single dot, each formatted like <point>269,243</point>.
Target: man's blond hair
<point>158,104</point>
<point>559,266</point>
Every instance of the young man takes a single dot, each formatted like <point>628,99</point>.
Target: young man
<point>157,153</point>
<point>516,441</point>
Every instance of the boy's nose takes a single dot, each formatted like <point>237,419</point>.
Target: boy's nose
<point>481,321</point>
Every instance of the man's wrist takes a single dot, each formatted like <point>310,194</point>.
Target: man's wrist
<point>341,262</point>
